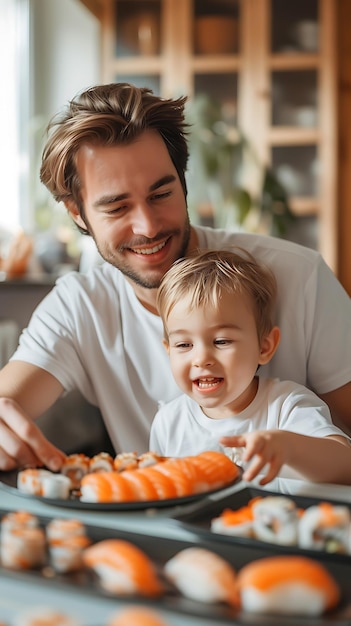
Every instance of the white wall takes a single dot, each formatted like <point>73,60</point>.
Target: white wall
<point>66,52</point>
<point>65,58</point>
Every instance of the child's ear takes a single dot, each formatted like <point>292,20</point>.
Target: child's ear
<point>166,345</point>
<point>269,345</point>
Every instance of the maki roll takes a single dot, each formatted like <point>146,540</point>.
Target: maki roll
<point>325,527</point>
<point>275,520</point>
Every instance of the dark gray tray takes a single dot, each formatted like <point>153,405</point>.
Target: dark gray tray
<point>8,480</point>
<point>198,519</point>
<point>160,550</point>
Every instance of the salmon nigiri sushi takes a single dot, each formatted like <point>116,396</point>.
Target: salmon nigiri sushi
<point>106,487</point>
<point>202,575</point>
<point>164,484</point>
<point>137,616</point>
<point>123,568</point>
<point>181,480</point>
<point>217,469</point>
<point>293,585</point>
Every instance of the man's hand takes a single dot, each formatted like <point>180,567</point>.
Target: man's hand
<point>21,441</point>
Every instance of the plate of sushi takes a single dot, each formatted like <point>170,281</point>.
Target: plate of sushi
<point>257,518</point>
<point>226,584</point>
<point>127,482</point>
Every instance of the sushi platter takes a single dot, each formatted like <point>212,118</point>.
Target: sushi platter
<point>160,551</point>
<point>200,520</point>
<point>8,481</point>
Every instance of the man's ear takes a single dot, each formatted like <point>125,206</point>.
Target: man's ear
<point>269,344</point>
<point>166,345</point>
<point>72,209</point>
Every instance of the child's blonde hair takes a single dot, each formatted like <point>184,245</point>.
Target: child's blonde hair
<point>206,275</point>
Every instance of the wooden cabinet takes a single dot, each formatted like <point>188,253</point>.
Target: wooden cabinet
<point>271,62</point>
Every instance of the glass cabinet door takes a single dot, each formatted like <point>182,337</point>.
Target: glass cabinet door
<point>269,68</point>
<point>294,112</point>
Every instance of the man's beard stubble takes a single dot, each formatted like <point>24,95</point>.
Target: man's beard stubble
<point>140,280</point>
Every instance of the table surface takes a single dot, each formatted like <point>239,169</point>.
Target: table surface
<point>93,611</point>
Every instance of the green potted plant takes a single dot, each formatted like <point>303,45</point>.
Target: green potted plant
<point>220,156</point>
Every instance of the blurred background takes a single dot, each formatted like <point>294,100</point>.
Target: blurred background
<point>269,98</point>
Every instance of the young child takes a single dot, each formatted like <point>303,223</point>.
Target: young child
<point>217,310</point>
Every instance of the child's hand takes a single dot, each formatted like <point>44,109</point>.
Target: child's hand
<point>262,448</point>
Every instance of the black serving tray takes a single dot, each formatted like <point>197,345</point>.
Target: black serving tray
<point>8,481</point>
<point>160,550</point>
<point>198,519</point>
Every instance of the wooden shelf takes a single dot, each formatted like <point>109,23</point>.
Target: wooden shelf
<point>293,136</point>
<point>303,207</point>
<point>253,73</point>
<point>293,62</point>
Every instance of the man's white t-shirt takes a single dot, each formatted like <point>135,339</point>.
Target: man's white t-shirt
<point>180,428</point>
<point>92,334</point>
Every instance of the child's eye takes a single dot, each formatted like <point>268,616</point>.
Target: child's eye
<point>182,345</point>
<point>222,342</point>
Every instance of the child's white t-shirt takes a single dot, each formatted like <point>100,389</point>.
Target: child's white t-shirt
<point>180,428</point>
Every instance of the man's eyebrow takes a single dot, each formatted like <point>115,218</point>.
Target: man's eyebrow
<point>111,199</point>
<point>165,180</point>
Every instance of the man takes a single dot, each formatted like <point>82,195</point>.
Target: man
<point>117,159</point>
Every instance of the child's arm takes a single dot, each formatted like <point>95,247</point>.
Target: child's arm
<point>318,459</point>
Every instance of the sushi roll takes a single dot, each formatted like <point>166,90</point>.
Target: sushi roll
<point>125,460</point>
<point>66,555</point>
<point>30,480</point>
<point>23,548</point>
<point>41,482</point>
<point>66,539</point>
<point>137,616</point>
<point>123,568</point>
<point>102,462</point>
<point>234,523</point>
<point>75,466</point>
<point>275,519</point>
<point>58,529</point>
<point>56,486</point>
<point>325,527</point>
<point>18,519</point>
<point>202,575</point>
<point>287,585</point>
<point>148,459</point>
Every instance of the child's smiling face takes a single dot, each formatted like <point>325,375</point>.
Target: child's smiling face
<point>214,353</point>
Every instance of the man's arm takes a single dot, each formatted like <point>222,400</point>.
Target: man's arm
<point>26,391</point>
<point>339,402</point>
